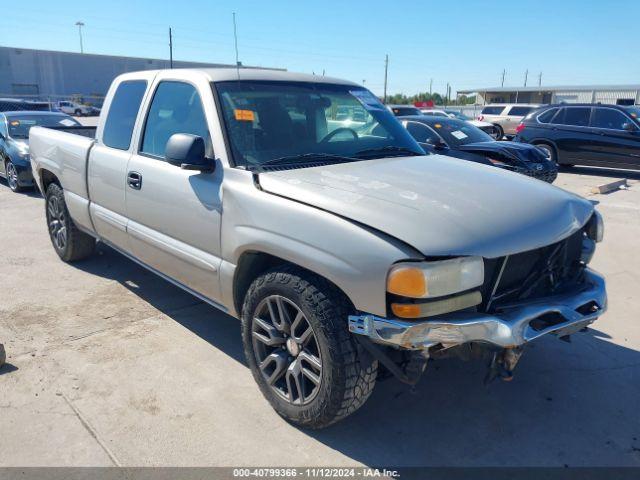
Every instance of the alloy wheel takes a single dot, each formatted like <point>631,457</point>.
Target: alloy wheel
<point>12,176</point>
<point>56,220</point>
<point>286,350</point>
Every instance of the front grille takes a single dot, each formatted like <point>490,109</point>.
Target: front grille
<point>533,274</point>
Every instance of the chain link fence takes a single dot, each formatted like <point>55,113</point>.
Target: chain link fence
<point>78,105</point>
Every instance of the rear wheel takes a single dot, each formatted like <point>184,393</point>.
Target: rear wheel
<point>296,341</point>
<point>499,132</point>
<point>550,151</point>
<point>69,243</point>
<point>12,176</point>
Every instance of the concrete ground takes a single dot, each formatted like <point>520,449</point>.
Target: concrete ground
<point>110,365</point>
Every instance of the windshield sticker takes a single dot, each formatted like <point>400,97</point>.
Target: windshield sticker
<point>366,98</point>
<point>67,122</point>
<point>244,115</point>
<point>459,135</point>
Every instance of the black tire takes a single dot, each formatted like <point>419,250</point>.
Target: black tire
<point>78,112</point>
<point>550,150</point>
<point>499,131</point>
<point>69,243</point>
<point>347,374</point>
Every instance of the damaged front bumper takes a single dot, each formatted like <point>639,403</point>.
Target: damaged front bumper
<point>511,326</point>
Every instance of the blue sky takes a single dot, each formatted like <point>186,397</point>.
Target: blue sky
<point>467,43</point>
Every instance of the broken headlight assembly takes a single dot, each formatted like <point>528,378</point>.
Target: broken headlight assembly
<point>443,286</point>
<point>594,233</point>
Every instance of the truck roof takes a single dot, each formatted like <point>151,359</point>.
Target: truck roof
<point>227,74</point>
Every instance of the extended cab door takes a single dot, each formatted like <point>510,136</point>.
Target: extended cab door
<point>174,214</point>
<point>108,161</point>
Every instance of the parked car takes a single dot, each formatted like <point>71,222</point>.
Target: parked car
<point>456,138</point>
<point>14,143</point>
<point>73,108</point>
<point>402,110</point>
<point>585,134</point>
<point>13,104</point>
<point>339,248</point>
<point>506,117</point>
<point>488,128</point>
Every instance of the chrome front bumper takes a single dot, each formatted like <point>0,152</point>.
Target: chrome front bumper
<point>510,327</point>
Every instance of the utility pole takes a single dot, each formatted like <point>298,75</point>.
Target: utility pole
<point>80,24</point>
<point>526,74</point>
<point>431,86</point>
<point>386,68</point>
<point>540,79</point>
<point>504,72</point>
<point>446,98</point>
<point>170,49</point>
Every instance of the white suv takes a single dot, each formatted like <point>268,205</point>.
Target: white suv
<point>506,116</point>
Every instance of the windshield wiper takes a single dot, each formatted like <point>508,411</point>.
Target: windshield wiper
<point>305,158</point>
<point>389,149</point>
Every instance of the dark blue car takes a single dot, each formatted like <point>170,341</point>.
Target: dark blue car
<point>14,143</point>
<point>459,139</point>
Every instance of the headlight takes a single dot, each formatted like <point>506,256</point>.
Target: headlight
<point>595,228</point>
<point>435,279</point>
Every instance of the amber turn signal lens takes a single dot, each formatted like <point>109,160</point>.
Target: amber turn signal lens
<point>407,281</point>
<point>406,310</point>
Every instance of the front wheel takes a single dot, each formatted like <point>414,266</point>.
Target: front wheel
<point>296,341</point>
<point>498,132</point>
<point>68,241</point>
<point>12,177</point>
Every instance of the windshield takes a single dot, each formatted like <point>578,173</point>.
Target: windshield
<point>19,125</point>
<point>457,132</point>
<point>295,122</point>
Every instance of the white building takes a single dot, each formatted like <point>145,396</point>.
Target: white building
<point>48,74</point>
<point>610,94</point>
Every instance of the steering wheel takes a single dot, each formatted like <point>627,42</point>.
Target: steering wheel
<point>333,133</point>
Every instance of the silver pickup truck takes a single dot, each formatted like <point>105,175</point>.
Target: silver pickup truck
<point>346,252</point>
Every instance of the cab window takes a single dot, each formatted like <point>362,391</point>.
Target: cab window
<point>123,111</point>
<point>176,108</point>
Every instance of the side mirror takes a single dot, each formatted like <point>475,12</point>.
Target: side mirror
<point>188,152</point>
<point>629,127</point>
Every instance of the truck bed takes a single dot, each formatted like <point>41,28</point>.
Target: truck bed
<point>65,153</point>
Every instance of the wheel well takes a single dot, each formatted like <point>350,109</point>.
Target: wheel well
<point>546,142</point>
<point>253,264</point>
<point>47,179</point>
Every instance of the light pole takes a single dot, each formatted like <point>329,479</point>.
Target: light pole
<point>80,25</point>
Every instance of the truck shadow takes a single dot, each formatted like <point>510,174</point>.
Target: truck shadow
<point>572,404</point>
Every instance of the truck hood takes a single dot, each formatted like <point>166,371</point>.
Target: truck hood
<point>439,205</point>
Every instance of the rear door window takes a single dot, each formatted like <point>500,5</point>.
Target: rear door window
<point>492,110</point>
<point>609,118</point>
<point>520,111</point>
<point>123,111</point>
<point>574,116</point>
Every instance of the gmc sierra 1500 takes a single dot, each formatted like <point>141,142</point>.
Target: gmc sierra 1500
<point>343,249</point>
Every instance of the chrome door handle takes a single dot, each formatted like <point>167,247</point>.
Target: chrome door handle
<point>134,180</point>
